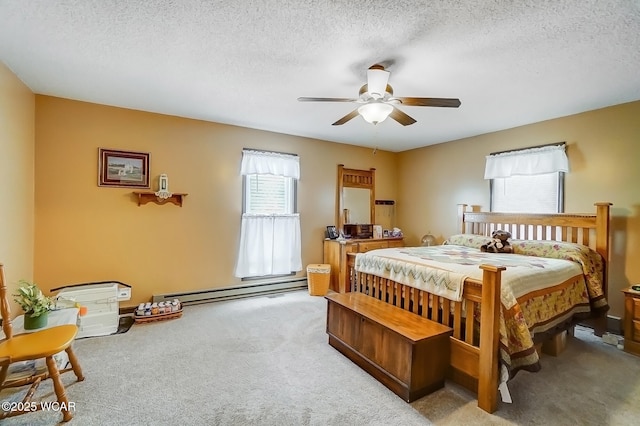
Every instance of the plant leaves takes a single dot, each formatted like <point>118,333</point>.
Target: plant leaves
<point>31,299</point>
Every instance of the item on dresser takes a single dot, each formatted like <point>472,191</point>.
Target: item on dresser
<point>396,232</point>
<point>358,231</point>
<point>332,232</point>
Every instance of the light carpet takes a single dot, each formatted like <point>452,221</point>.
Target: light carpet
<point>265,361</point>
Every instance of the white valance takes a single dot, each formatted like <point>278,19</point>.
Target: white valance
<point>270,163</point>
<point>532,161</point>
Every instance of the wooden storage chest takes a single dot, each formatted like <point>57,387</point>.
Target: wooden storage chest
<point>407,353</point>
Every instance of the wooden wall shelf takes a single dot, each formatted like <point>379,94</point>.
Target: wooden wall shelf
<point>145,197</point>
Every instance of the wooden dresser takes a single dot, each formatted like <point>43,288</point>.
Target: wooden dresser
<point>632,321</point>
<point>335,254</point>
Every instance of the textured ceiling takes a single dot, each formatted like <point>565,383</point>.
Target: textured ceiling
<point>245,63</point>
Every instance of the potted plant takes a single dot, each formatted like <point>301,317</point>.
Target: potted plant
<point>34,303</point>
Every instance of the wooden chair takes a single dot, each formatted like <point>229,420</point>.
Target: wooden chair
<point>33,346</point>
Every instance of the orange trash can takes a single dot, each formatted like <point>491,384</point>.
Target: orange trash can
<point>318,276</point>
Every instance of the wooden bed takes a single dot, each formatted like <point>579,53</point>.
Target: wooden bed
<point>474,359</point>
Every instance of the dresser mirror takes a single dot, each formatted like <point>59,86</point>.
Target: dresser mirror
<point>356,203</point>
<point>356,200</point>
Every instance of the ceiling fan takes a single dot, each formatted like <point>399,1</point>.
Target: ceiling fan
<point>378,103</point>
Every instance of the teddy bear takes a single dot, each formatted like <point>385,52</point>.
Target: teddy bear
<point>499,243</point>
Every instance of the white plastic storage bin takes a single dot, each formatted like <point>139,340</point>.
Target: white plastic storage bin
<point>103,309</point>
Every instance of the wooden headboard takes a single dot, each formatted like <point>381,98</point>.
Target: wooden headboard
<point>589,229</point>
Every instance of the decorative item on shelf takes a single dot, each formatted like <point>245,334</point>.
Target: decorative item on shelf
<point>34,303</point>
<point>163,187</point>
<point>428,240</point>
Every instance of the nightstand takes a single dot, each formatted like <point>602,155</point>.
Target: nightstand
<point>632,321</point>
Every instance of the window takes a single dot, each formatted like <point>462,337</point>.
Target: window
<point>529,180</point>
<point>269,194</point>
<point>530,194</point>
<point>270,242</point>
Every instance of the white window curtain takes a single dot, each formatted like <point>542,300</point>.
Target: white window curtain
<point>527,162</point>
<point>270,244</point>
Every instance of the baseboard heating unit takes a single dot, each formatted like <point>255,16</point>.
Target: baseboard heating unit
<point>213,295</point>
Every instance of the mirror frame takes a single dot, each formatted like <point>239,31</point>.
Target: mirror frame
<point>355,178</point>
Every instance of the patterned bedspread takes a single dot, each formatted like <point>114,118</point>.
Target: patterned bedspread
<point>545,284</point>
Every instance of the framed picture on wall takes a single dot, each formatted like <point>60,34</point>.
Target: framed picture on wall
<point>123,168</point>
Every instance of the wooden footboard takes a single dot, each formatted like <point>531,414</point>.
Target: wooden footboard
<point>474,353</point>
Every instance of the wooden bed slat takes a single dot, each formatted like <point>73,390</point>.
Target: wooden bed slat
<point>446,312</point>
<point>468,326</point>
<point>457,321</point>
<point>415,299</point>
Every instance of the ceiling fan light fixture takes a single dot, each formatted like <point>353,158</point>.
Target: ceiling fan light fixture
<point>377,79</point>
<point>375,112</point>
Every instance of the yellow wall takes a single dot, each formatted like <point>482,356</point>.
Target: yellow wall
<point>17,114</point>
<point>604,158</point>
<point>86,233</point>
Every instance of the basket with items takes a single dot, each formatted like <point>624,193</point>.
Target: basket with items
<point>158,311</point>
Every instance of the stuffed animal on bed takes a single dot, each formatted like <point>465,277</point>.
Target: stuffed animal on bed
<point>499,243</point>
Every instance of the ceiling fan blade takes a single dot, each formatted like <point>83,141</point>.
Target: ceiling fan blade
<point>377,79</point>
<point>401,117</point>
<point>431,102</point>
<point>346,118</point>
<point>326,99</point>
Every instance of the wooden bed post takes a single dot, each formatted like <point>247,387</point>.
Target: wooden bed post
<point>488,371</point>
<point>461,210</point>
<point>602,234</point>
<point>602,247</point>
